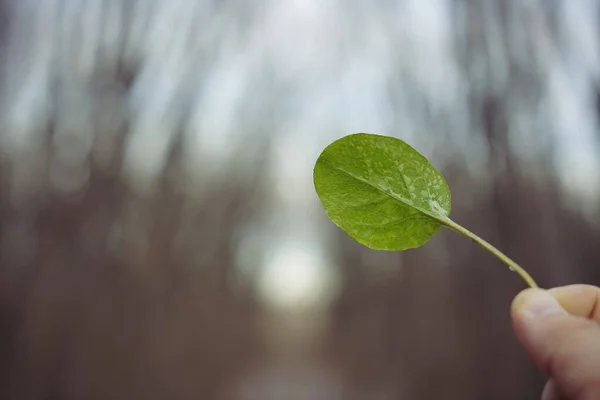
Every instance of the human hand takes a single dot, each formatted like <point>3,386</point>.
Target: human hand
<point>560,328</point>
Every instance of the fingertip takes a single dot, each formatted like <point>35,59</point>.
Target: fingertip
<point>521,298</point>
<point>579,299</point>
<point>562,344</point>
<point>535,302</point>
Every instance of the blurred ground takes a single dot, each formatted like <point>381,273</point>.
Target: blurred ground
<point>160,237</point>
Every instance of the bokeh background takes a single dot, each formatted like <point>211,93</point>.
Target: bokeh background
<point>160,237</point>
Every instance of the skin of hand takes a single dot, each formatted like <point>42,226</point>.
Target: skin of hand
<point>560,328</point>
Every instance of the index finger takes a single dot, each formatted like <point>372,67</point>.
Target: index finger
<point>579,300</point>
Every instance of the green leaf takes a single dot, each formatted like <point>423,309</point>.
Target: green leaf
<point>381,191</point>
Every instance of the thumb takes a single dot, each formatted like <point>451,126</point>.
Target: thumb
<point>566,346</point>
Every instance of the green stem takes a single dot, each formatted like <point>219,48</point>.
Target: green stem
<point>511,264</point>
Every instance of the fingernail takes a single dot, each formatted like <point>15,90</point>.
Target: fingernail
<point>538,303</point>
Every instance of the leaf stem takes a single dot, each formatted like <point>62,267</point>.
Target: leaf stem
<point>511,264</point>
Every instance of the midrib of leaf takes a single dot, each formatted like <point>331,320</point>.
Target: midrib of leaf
<point>441,219</point>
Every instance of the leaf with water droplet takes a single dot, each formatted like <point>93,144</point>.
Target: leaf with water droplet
<point>381,191</point>
<point>387,196</point>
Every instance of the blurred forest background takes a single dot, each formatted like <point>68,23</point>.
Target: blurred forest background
<point>160,237</point>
